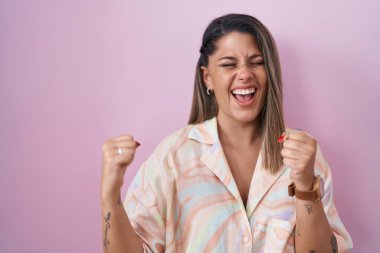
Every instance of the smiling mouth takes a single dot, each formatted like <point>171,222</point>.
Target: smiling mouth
<point>244,96</point>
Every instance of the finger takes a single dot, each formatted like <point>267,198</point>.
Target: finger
<point>300,136</point>
<point>298,155</point>
<point>126,144</point>
<point>289,162</point>
<point>297,136</point>
<point>112,157</point>
<point>123,137</point>
<point>289,153</point>
<point>295,165</point>
<point>119,151</point>
<point>293,154</point>
<point>291,144</point>
<point>123,160</point>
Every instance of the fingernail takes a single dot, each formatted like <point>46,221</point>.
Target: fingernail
<point>281,138</point>
<point>137,143</point>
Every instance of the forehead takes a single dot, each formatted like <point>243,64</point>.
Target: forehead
<point>237,43</point>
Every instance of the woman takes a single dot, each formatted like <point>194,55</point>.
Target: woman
<point>226,181</point>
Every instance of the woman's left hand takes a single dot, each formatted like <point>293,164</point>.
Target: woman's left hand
<point>298,152</point>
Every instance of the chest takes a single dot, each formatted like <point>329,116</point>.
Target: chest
<point>204,205</point>
<point>242,165</point>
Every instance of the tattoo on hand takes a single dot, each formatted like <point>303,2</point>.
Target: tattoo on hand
<point>334,244</point>
<point>309,208</point>
<point>108,226</point>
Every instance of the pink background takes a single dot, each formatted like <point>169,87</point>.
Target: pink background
<point>75,73</point>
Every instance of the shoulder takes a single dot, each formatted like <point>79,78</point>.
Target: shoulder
<point>171,141</point>
<point>156,171</point>
<point>174,146</point>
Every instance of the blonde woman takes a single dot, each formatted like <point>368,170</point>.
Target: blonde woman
<point>234,179</point>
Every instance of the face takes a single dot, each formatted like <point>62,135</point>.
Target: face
<point>237,75</point>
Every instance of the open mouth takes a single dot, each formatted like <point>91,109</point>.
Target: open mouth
<point>244,96</point>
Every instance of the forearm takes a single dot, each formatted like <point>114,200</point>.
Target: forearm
<point>313,232</point>
<point>118,234</point>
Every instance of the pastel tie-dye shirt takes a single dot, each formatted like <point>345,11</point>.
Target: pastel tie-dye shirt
<point>184,199</point>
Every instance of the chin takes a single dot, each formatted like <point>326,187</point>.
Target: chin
<point>246,117</point>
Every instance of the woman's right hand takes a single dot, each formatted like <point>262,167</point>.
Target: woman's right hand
<point>114,164</point>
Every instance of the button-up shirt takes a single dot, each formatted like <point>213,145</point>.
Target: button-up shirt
<point>185,199</point>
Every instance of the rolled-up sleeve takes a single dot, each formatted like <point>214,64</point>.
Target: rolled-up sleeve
<point>344,239</point>
<point>142,205</point>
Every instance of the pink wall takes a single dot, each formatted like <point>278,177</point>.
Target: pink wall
<point>74,73</point>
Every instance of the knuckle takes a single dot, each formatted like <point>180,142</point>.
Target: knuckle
<point>313,141</point>
<point>128,136</point>
<point>130,157</point>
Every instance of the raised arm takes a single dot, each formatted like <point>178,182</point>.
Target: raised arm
<point>118,233</point>
<point>314,233</point>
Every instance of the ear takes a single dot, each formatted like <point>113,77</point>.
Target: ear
<point>207,78</point>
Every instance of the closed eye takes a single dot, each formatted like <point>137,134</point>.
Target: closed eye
<point>228,65</point>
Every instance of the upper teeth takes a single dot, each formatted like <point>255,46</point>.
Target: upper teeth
<point>243,91</point>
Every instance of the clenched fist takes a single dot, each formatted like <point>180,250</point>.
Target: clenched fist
<point>298,152</point>
<point>118,154</point>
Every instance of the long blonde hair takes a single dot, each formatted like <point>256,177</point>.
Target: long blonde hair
<point>271,119</point>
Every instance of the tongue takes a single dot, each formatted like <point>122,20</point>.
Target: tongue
<point>244,98</point>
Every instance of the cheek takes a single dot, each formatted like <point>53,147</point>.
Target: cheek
<point>221,90</point>
<point>263,81</point>
<point>222,83</point>
<point>262,76</point>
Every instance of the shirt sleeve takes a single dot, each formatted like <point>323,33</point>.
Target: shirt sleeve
<point>145,202</point>
<point>344,239</point>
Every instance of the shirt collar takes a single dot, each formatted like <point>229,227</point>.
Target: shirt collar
<point>213,158</point>
<point>205,132</point>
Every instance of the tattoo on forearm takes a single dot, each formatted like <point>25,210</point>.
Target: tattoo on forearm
<point>107,226</point>
<point>309,208</point>
<point>334,244</point>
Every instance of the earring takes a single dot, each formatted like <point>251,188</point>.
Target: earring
<point>209,91</point>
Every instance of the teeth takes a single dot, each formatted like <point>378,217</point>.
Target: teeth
<point>243,91</point>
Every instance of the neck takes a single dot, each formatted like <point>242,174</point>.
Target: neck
<point>238,135</point>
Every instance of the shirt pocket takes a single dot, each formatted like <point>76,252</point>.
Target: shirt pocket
<point>280,236</point>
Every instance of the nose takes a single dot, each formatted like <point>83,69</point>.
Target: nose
<point>245,73</point>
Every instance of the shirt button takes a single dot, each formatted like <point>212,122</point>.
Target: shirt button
<point>246,239</point>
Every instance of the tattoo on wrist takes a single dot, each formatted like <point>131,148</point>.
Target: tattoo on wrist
<point>334,244</point>
<point>106,242</point>
<point>309,208</point>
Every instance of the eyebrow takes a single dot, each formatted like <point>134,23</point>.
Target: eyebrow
<point>234,58</point>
